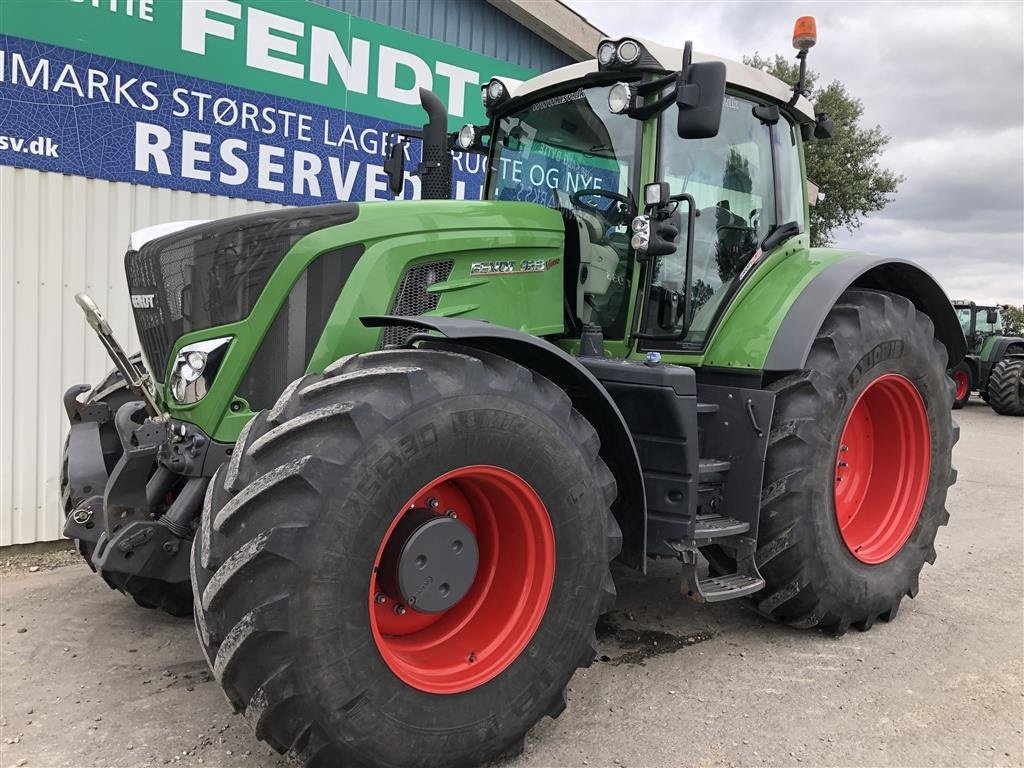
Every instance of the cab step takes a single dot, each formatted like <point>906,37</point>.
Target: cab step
<point>712,467</point>
<point>728,586</point>
<point>707,408</point>
<point>717,527</point>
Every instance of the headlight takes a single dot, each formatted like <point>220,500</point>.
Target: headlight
<point>495,90</point>
<point>606,54</point>
<point>620,96</point>
<point>467,137</point>
<point>195,368</point>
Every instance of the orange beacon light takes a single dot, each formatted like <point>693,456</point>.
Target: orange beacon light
<point>805,33</point>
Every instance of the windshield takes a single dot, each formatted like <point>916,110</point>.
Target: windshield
<point>570,153</point>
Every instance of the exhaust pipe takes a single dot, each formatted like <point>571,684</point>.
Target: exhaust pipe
<point>435,170</point>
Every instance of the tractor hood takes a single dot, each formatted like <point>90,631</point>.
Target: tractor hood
<point>185,281</point>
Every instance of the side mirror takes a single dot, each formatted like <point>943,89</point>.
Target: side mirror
<point>991,317</point>
<point>700,93</point>
<point>824,126</point>
<point>394,167</point>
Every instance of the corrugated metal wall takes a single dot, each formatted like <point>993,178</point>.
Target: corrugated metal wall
<point>60,235</point>
<point>470,24</point>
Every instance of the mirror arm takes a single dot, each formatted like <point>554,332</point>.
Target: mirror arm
<point>650,110</point>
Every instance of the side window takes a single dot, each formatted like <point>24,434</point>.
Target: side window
<point>791,182</point>
<point>730,178</point>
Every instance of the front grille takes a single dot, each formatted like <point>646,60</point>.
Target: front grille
<point>413,299</point>
<point>212,274</point>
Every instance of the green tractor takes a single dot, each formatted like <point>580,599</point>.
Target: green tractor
<point>393,448</point>
<point>994,364</point>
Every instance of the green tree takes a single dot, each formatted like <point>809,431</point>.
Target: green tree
<point>1013,320</point>
<point>845,167</point>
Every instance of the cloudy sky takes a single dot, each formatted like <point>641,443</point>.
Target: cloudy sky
<point>945,80</point>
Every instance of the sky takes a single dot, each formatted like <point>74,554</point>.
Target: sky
<point>944,80</point>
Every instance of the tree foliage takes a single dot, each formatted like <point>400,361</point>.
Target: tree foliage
<point>845,167</point>
<point>1013,320</point>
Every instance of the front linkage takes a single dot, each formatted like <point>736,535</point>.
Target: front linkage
<point>133,480</point>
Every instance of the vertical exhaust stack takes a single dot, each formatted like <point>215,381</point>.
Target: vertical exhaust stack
<point>435,170</point>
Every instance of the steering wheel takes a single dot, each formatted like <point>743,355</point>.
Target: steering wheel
<point>621,214</point>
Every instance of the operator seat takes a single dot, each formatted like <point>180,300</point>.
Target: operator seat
<point>598,261</point>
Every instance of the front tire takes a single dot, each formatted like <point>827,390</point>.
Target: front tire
<point>296,609</point>
<point>1006,387</point>
<point>870,410</point>
<point>961,376</point>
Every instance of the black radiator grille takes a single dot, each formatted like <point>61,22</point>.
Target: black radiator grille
<point>212,274</point>
<point>413,299</point>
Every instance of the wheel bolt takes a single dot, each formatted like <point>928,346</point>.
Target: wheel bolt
<point>380,598</point>
<point>400,609</point>
<point>844,447</point>
<point>451,514</point>
<point>843,464</point>
<point>412,600</point>
<point>433,503</point>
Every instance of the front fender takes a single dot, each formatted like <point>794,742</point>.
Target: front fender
<point>588,397</point>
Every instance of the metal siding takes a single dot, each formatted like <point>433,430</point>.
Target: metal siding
<point>60,235</point>
<point>471,24</point>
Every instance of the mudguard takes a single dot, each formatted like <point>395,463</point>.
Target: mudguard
<point>588,397</point>
<point>792,342</point>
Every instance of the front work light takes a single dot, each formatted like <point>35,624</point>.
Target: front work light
<point>656,193</point>
<point>620,98</point>
<point>467,137</point>
<point>805,33</point>
<point>495,90</point>
<point>606,53</point>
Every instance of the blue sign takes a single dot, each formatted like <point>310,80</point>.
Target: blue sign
<point>87,115</point>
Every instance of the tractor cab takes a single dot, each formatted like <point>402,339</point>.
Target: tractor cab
<point>978,322</point>
<point>674,174</point>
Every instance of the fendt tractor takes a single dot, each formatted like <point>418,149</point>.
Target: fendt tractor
<point>994,364</point>
<point>388,451</point>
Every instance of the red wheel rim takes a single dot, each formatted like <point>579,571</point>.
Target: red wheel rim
<point>480,636</point>
<point>962,384</point>
<point>882,469</point>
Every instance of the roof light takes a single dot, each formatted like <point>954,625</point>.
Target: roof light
<point>628,51</point>
<point>620,98</point>
<point>805,33</point>
<point>606,53</point>
<point>495,90</point>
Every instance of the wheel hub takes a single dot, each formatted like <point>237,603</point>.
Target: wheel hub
<point>429,562</point>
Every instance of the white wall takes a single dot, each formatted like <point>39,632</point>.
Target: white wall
<point>60,235</point>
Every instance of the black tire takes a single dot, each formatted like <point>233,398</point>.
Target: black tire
<point>175,599</point>
<point>1006,387</point>
<point>813,579</point>
<point>961,369</point>
<point>290,530</point>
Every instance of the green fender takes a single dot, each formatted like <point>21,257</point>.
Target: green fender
<point>774,317</point>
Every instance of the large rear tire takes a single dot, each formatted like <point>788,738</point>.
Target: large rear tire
<point>175,599</point>
<point>1006,387</point>
<point>857,469</point>
<point>298,607</point>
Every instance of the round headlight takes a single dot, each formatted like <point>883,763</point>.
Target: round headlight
<point>178,389</point>
<point>495,90</point>
<point>629,51</point>
<point>640,224</point>
<point>639,242</point>
<point>467,136</point>
<point>606,54</point>
<point>196,361</point>
<point>619,97</point>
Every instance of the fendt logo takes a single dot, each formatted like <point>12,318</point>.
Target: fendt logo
<point>143,300</point>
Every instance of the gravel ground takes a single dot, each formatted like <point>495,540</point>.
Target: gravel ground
<point>89,679</point>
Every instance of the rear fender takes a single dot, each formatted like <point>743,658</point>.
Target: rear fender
<point>588,397</point>
<point>792,343</point>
